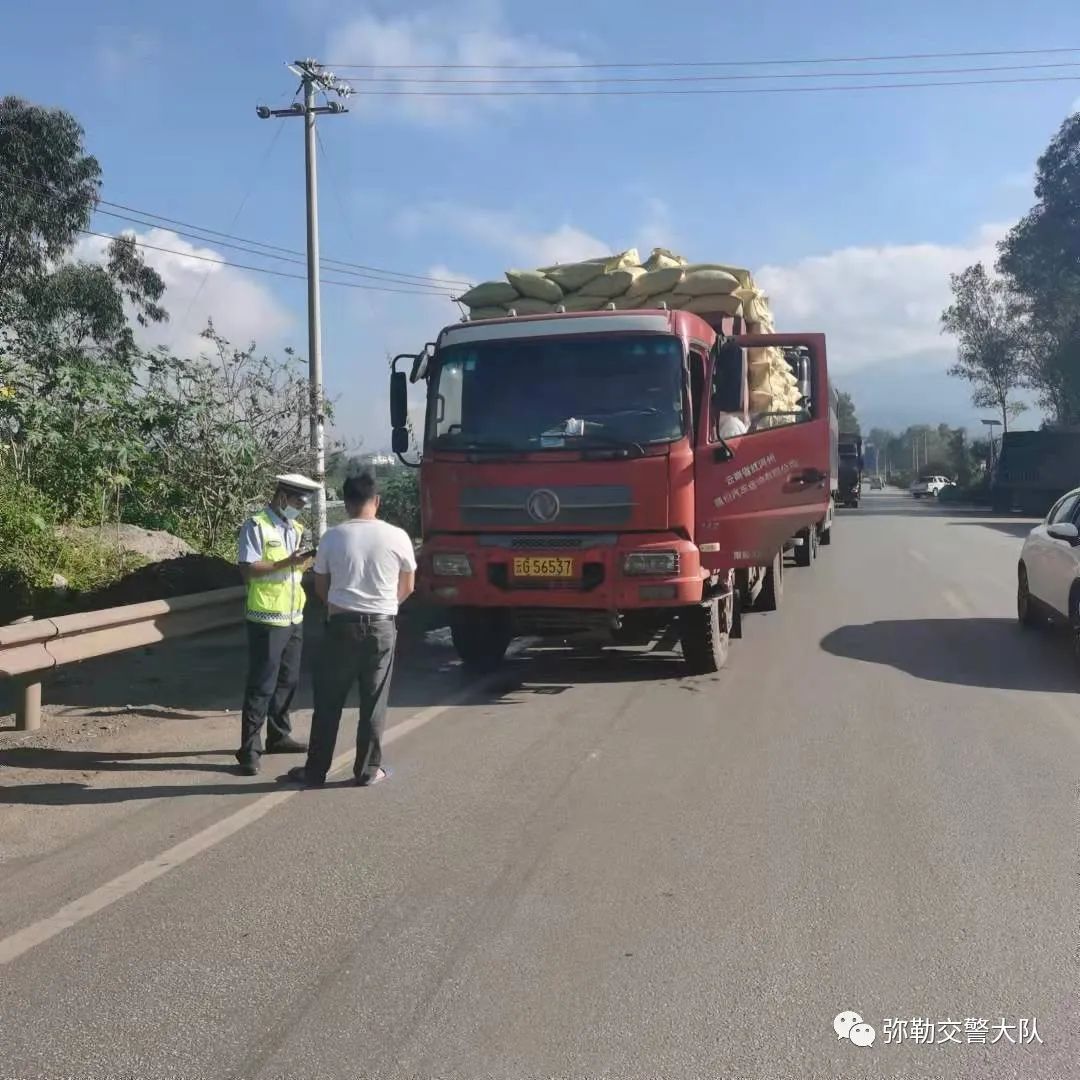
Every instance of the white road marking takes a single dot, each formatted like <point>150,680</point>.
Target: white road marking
<point>22,941</point>
<point>918,556</point>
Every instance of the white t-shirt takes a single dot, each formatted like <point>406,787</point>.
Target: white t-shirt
<point>730,426</point>
<point>364,558</point>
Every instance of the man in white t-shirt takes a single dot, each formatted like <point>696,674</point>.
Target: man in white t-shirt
<point>364,568</point>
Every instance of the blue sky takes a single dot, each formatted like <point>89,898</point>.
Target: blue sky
<point>852,208</point>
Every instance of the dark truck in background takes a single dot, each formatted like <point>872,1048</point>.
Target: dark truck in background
<point>1034,469</point>
<point>849,484</point>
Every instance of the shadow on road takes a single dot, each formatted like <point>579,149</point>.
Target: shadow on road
<point>43,757</point>
<point>992,653</point>
<point>1018,529</point>
<point>81,795</point>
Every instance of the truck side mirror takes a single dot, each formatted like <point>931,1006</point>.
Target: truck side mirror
<point>399,399</point>
<point>399,440</point>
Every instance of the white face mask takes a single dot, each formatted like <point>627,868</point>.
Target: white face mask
<point>290,513</point>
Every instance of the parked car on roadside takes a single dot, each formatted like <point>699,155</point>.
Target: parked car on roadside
<point>1048,574</point>
<point>929,485</point>
<point>876,483</point>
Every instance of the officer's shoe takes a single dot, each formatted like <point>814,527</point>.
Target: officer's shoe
<point>248,766</point>
<point>287,745</point>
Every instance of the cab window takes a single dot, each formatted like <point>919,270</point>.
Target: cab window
<point>781,388</point>
<point>727,411</point>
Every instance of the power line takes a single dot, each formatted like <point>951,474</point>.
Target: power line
<point>216,236</point>
<point>580,66</point>
<point>262,269</point>
<point>261,254</point>
<point>696,91</point>
<point>364,80</point>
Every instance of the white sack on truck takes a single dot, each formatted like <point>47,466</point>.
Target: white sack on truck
<point>526,305</point>
<point>655,282</point>
<point>489,294</point>
<point>704,280</point>
<point>613,282</point>
<point>712,304</point>
<point>662,259</point>
<point>573,276</point>
<point>534,285</point>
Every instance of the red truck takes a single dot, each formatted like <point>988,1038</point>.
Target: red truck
<point>603,471</point>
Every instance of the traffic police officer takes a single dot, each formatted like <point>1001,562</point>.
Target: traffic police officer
<point>271,557</point>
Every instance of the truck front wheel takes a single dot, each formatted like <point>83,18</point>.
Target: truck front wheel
<point>481,638</point>
<point>807,549</point>
<point>705,634</point>
<point>772,591</point>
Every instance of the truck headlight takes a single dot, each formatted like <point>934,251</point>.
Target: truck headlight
<point>444,565</point>
<point>651,562</point>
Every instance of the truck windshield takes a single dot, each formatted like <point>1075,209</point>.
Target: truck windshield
<point>547,393</point>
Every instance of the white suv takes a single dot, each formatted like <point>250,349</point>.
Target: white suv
<point>929,485</point>
<point>1048,586</point>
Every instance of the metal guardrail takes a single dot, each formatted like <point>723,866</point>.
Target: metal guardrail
<point>30,650</point>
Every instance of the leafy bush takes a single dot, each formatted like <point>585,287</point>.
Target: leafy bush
<point>400,500</point>
<point>32,552</point>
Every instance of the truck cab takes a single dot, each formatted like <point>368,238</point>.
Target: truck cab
<point>606,471</point>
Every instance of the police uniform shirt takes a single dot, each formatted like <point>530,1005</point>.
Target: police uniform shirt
<point>251,543</point>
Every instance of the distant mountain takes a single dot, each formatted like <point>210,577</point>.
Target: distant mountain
<point>916,390</point>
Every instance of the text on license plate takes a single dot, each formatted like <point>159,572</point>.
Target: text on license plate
<point>544,566</point>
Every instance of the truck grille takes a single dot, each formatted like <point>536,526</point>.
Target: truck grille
<point>548,541</point>
<point>580,506</point>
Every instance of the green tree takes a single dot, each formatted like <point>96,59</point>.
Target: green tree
<point>48,187</point>
<point>960,457</point>
<point>216,429</point>
<point>845,410</point>
<point>1041,259</point>
<point>985,320</point>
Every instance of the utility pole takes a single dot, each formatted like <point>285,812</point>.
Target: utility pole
<point>314,78</point>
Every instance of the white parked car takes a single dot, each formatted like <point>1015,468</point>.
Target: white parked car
<point>929,485</point>
<point>1048,577</point>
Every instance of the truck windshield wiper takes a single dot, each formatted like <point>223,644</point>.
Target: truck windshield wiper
<point>640,411</point>
<point>481,446</point>
<point>598,439</point>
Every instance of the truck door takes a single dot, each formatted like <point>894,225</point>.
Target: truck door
<point>762,469</point>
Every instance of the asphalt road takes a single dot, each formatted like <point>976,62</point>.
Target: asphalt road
<point>599,868</point>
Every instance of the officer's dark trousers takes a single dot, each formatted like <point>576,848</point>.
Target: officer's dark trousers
<point>273,674</point>
<point>357,649</point>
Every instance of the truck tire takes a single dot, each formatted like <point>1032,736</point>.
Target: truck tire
<point>772,592</point>
<point>480,638</point>
<point>806,552</point>
<point>705,635</point>
<point>826,536</point>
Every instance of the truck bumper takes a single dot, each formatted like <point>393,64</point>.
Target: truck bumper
<point>599,580</point>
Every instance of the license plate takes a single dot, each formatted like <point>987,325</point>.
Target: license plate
<point>545,566</point>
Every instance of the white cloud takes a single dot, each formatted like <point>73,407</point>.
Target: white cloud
<point>880,309</point>
<point>504,233</point>
<point>875,303</point>
<point>470,32</point>
<point>242,308</point>
<point>1074,107</point>
<point>124,53</point>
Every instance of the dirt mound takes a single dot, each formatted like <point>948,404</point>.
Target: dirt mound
<point>161,580</point>
<point>152,545</point>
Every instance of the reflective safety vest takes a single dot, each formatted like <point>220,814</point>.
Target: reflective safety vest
<point>276,599</point>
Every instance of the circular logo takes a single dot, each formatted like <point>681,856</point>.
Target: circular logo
<point>543,506</point>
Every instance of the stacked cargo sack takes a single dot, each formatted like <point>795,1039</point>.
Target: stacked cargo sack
<point>664,280</point>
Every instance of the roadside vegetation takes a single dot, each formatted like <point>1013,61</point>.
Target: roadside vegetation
<point>96,430</point>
